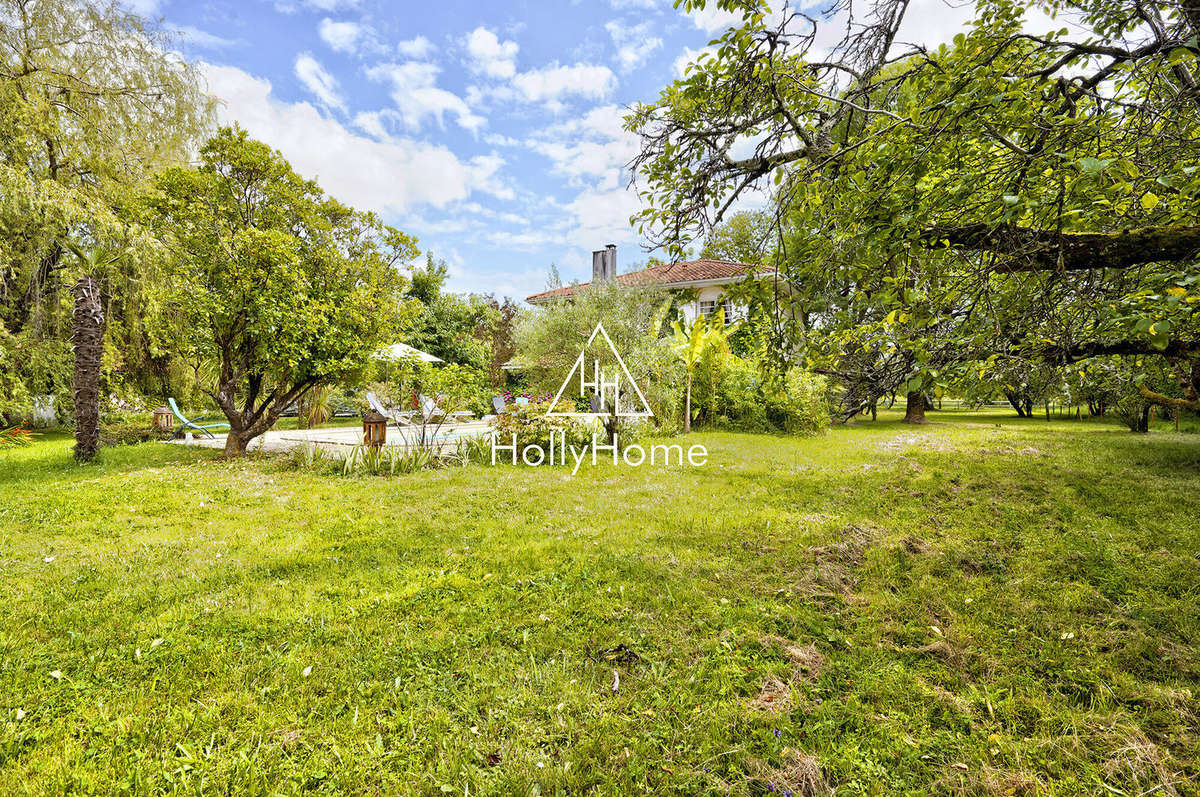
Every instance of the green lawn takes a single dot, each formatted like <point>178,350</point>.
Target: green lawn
<point>983,605</point>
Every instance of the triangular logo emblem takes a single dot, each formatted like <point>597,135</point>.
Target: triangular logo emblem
<point>605,386</point>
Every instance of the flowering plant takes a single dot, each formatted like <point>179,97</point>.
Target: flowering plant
<point>15,436</point>
<point>510,396</point>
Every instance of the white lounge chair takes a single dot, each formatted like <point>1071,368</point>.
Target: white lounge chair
<point>430,411</point>
<point>398,417</point>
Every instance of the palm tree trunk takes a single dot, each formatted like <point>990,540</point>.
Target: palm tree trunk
<point>88,322</point>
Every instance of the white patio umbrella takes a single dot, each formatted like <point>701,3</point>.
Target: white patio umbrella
<point>402,351</point>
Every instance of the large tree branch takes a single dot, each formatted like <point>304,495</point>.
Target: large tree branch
<point>1065,355</point>
<point>1166,401</point>
<point>1042,250</point>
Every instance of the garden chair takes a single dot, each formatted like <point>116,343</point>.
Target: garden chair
<point>397,417</point>
<point>431,411</point>
<point>187,425</point>
<point>498,404</point>
<point>521,401</point>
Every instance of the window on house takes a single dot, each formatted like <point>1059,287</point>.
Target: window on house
<point>709,306</point>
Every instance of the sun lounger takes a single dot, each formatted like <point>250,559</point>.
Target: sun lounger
<point>188,425</point>
<point>399,418</point>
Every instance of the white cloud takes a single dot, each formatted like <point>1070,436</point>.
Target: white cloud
<point>621,5</point>
<point>497,140</point>
<point>714,20</point>
<point>145,8</point>
<point>592,151</point>
<point>490,56</point>
<point>372,123</point>
<point>291,7</point>
<point>417,48</point>
<point>204,39</point>
<point>393,175</point>
<point>635,44</point>
<point>594,146</point>
<point>322,84</point>
<point>602,216</point>
<point>527,240</point>
<point>341,36</point>
<point>688,57</point>
<point>934,22</point>
<point>550,84</point>
<point>417,97</point>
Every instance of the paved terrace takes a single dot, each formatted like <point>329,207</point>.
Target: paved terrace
<point>339,439</point>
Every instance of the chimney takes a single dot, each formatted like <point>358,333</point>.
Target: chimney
<point>604,264</point>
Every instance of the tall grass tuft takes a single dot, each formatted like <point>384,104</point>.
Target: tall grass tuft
<point>393,461</point>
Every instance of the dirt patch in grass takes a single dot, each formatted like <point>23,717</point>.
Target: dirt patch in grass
<point>1011,451</point>
<point>1138,763</point>
<point>990,781</point>
<point>907,440</point>
<point>944,651</point>
<point>286,737</point>
<point>805,661</point>
<point>775,697</point>
<point>799,775</point>
<point>833,565</point>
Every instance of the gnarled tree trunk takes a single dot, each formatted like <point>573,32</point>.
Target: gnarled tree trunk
<point>914,408</point>
<point>1023,405</point>
<point>88,323</point>
<point>236,444</point>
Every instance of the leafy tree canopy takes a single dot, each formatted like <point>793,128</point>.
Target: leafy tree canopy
<point>92,102</point>
<point>1015,193</point>
<point>281,286</point>
<point>452,327</point>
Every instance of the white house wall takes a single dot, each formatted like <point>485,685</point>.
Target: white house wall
<point>712,293</point>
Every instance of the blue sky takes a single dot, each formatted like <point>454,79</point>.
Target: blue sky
<point>490,130</point>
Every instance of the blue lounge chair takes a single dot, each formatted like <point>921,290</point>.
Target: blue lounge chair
<point>186,425</point>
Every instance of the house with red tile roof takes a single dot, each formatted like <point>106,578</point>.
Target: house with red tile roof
<point>707,279</point>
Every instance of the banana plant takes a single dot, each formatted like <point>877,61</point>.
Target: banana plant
<point>691,345</point>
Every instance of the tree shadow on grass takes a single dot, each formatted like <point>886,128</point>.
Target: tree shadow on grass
<point>49,457</point>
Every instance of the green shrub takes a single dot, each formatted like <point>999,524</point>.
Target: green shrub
<point>310,457</point>
<point>549,341</point>
<point>532,427</point>
<point>390,460</point>
<point>129,430</point>
<point>456,387</point>
<point>731,392</point>
<point>474,449</point>
<point>804,403</point>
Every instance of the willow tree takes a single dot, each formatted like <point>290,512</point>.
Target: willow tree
<point>92,102</point>
<point>277,285</point>
<point>1018,192</point>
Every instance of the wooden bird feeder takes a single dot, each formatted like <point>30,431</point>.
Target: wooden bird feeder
<point>164,419</point>
<point>374,429</point>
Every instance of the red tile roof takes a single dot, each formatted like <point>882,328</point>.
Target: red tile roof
<point>666,275</point>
